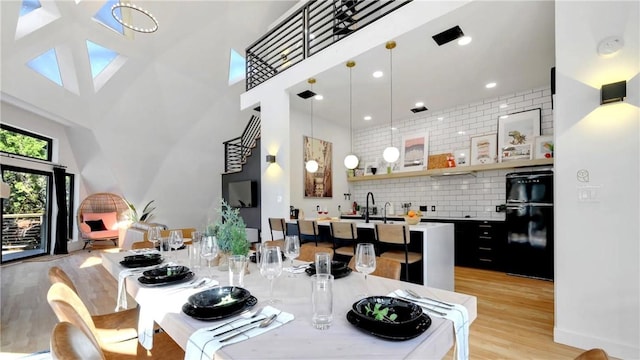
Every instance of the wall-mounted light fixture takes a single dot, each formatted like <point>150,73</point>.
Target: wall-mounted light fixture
<point>271,159</point>
<point>613,92</point>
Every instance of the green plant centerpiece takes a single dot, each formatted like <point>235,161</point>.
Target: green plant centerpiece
<point>230,231</point>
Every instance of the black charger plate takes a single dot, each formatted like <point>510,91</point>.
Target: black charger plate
<point>407,332</point>
<point>165,282</point>
<point>337,274</point>
<point>209,314</point>
<point>141,260</point>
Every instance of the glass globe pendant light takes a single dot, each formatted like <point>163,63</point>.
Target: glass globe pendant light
<point>351,160</point>
<point>391,153</point>
<point>311,165</point>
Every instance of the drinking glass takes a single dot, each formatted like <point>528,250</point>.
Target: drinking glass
<point>209,250</point>
<point>271,267</point>
<point>153,235</point>
<point>194,251</point>
<point>175,242</point>
<point>291,251</point>
<point>365,261</point>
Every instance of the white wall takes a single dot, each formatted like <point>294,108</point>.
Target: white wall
<point>597,277</point>
<point>63,154</point>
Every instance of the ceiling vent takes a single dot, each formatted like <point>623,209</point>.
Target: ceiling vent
<point>306,94</point>
<point>448,35</point>
<point>418,109</point>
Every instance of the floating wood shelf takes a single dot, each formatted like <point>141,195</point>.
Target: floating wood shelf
<point>460,170</point>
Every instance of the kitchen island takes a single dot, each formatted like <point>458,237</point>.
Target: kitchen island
<point>436,241</point>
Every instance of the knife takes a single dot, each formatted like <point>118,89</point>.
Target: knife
<point>239,327</point>
<point>419,301</point>
<point>424,306</point>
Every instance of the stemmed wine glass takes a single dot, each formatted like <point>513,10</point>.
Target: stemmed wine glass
<point>291,251</point>
<point>209,250</point>
<point>175,242</point>
<point>271,266</point>
<point>154,235</point>
<point>365,261</point>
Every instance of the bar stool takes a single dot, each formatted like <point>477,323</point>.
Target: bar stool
<point>309,229</point>
<point>277,224</point>
<point>344,232</point>
<point>397,236</point>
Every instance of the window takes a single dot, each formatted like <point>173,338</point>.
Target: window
<point>47,66</point>
<point>237,67</point>
<point>99,57</point>
<point>104,17</point>
<point>70,185</point>
<point>23,143</point>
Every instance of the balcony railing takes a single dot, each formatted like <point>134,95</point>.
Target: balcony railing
<point>315,26</point>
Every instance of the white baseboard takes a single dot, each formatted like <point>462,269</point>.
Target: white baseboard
<point>584,341</point>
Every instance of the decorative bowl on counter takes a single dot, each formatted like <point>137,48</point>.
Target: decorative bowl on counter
<point>412,220</point>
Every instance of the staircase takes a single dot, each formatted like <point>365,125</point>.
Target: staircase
<point>238,149</point>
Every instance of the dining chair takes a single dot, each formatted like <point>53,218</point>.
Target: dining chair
<point>384,268</point>
<point>398,238</point>
<point>186,234</point>
<point>69,307</point>
<point>68,342</point>
<point>113,327</point>
<point>593,354</point>
<point>279,225</point>
<point>309,232</point>
<point>142,245</point>
<point>344,233</point>
<point>308,253</point>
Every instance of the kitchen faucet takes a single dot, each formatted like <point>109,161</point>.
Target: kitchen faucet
<point>366,211</point>
<point>385,211</point>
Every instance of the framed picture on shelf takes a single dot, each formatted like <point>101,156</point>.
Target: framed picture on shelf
<point>517,133</point>
<point>461,157</point>
<point>414,153</point>
<point>543,148</point>
<point>318,184</point>
<point>483,149</point>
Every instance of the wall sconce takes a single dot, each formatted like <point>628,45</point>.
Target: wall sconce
<point>271,159</point>
<point>613,92</point>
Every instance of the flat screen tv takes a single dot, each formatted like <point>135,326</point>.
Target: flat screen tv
<point>243,194</point>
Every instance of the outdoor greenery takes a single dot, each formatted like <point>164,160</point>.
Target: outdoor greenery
<point>28,191</point>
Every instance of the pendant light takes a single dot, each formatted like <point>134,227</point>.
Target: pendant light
<point>351,160</point>
<point>311,165</point>
<point>391,153</point>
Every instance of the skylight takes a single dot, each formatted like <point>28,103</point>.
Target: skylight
<point>28,6</point>
<point>104,17</point>
<point>47,66</point>
<point>237,67</point>
<point>99,57</point>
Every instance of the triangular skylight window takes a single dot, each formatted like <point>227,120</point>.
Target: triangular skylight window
<point>47,66</point>
<point>28,6</point>
<point>105,17</point>
<point>237,67</point>
<point>99,57</point>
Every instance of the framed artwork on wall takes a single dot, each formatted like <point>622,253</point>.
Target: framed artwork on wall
<point>461,157</point>
<point>483,149</point>
<point>517,133</point>
<point>414,153</point>
<point>318,184</point>
<point>543,148</point>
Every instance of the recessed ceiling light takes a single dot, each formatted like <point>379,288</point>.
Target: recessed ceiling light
<point>440,118</point>
<point>490,85</point>
<point>461,132</point>
<point>312,36</point>
<point>465,40</point>
<point>503,106</point>
<point>394,128</point>
<point>504,116</point>
<point>367,118</point>
<point>378,74</point>
<point>319,97</point>
<point>419,104</point>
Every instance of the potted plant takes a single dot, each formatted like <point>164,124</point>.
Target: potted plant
<point>230,231</point>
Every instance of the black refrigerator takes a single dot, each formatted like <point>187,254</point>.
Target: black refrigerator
<point>529,222</point>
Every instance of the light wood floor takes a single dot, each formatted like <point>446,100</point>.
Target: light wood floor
<point>515,315</point>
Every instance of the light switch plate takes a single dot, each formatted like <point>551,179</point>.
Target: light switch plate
<point>589,193</point>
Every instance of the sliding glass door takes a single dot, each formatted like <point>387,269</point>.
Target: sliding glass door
<point>26,213</point>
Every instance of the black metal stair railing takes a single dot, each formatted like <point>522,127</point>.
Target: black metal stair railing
<point>238,149</point>
<point>315,26</point>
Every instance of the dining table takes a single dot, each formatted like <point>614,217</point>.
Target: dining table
<point>297,339</point>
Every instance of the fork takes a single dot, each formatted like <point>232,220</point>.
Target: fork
<point>254,315</point>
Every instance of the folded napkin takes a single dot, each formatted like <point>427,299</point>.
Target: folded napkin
<point>172,297</point>
<point>203,344</point>
<point>144,251</point>
<point>297,269</point>
<point>458,314</point>
<point>121,297</point>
